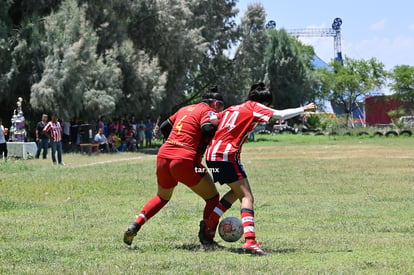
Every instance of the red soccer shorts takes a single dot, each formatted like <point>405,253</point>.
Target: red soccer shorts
<point>172,171</point>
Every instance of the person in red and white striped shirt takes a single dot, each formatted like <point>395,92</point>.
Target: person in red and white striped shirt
<point>223,159</point>
<point>53,130</point>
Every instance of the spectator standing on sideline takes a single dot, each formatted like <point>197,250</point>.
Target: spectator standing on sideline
<point>114,126</point>
<point>125,121</point>
<point>41,137</point>
<point>3,143</point>
<point>53,130</point>
<point>141,134</point>
<point>118,126</point>
<point>102,124</point>
<point>133,124</point>
<point>123,137</point>
<point>149,127</point>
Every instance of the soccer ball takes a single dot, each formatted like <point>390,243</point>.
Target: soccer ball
<point>230,229</point>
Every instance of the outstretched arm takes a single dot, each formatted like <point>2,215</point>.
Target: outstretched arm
<point>289,113</point>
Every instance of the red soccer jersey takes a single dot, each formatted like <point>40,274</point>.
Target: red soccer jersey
<point>55,131</point>
<point>234,128</point>
<point>185,140</point>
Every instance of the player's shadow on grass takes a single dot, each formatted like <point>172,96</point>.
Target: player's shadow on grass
<point>198,247</point>
<point>269,251</point>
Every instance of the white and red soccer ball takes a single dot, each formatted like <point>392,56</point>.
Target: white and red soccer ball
<point>230,229</point>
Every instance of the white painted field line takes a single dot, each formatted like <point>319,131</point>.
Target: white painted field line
<point>108,161</point>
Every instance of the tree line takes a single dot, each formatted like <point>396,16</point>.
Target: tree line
<point>87,58</point>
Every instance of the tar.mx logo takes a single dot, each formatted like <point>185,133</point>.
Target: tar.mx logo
<point>203,170</point>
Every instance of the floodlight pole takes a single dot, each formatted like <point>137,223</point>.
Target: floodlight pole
<point>334,32</point>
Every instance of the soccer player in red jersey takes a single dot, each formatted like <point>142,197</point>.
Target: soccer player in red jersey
<point>223,159</point>
<point>189,132</point>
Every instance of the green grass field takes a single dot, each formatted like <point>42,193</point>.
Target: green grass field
<point>323,205</point>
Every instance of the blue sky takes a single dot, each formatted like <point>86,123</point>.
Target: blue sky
<point>380,29</point>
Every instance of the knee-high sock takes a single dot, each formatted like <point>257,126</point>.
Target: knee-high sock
<point>151,208</point>
<point>210,205</point>
<point>218,211</point>
<point>247,216</point>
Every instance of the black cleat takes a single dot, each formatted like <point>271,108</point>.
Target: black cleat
<point>203,237</point>
<point>131,232</point>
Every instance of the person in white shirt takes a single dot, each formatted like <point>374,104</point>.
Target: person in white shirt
<point>102,140</point>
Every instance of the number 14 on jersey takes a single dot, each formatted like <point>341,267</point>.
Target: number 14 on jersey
<point>229,121</point>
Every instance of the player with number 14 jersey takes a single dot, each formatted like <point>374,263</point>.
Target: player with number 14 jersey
<point>236,124</point>
<point>223,157</point>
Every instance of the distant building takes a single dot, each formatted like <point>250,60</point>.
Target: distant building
<point>376,109</point>
<point>319,63</point>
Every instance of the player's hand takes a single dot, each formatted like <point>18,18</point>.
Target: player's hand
<point>310,107</point>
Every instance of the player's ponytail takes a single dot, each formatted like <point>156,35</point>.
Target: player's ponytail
<point>211,96</point>
<point>259,93</point>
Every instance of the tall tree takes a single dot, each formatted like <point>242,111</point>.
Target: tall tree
<point>162,29</point>
<point>248,65</point>
<point>21,63</point>
<point>349,81</point>
<point>188,38</point>
<point>5,52</point>
<point>402,83</point>
<point>21,53</point>
<point>109,19</point>
<point>131,25</point>
<point>144,82</point>
<point>76,82</point>
<point>218,29</point>
<point>289,71</point>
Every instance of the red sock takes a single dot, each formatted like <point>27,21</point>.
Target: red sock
<point>247,216</point>
<point>210,205</point>
<point>218,211</point>
<point>150,209</point>
<point>214,217</point>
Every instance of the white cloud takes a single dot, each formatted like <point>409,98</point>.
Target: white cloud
<point>380,25</point>
<point>411,27</point>
<point>390,51</point>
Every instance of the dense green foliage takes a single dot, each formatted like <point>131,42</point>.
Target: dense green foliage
<point>349,81</point>
<point>323,205</point>
<point>290,73</point>
<point>403,86</point>
<point>87,58</point>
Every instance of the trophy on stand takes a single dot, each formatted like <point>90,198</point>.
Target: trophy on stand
<point>17,129</point>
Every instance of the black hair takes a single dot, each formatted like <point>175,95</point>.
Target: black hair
<point>212,95</point>
<point>259,93</point>
<point>213,89</point>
